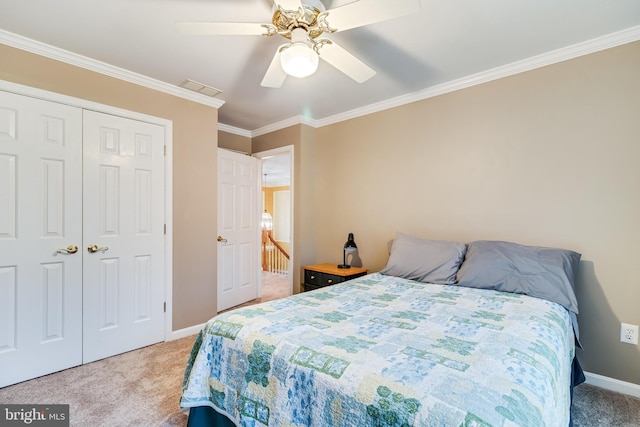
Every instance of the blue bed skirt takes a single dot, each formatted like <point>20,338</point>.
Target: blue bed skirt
<point>202,416</point>
<point>577,378</point>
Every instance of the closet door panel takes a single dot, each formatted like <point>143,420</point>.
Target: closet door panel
<point>124,219</point>
<point>40,223</point>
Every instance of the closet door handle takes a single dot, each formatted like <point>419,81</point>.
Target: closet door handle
<point>71,249</point>
<point>96,248</point>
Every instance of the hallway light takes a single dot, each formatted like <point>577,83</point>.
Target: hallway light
<point>267,219</point>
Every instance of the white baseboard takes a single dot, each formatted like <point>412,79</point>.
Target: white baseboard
<point>181,333</point>
<point>613,384</point>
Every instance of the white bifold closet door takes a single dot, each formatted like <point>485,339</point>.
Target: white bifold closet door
<point>123,210</point>
<point>61,304</point>
<point>40,212</point>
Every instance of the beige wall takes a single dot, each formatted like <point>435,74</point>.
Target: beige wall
<point>234,142</point>
<point>194,167</point>
<point>550,157</point>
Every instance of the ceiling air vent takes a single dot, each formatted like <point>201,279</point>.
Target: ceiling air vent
<point>200,88</point>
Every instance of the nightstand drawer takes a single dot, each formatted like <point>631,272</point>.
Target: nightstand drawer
<point>330,279</point>
<point>316,276</point>
<point>306,287</point>
<point>312,277</point>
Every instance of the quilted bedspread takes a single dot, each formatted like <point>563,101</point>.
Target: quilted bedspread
<point>385,351</point>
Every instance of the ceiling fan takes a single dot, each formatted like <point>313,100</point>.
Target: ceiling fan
<point>303,22</point>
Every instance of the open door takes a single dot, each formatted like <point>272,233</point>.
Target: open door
<point>238,228</point>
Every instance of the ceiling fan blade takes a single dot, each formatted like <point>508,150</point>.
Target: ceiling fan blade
<point>365,12</point>
<point>222,28</point>
<point>275,75</point>
<point>346,62</point>
<point>289,4</point>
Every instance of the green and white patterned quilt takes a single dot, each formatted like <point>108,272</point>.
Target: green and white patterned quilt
<point>385,351</point>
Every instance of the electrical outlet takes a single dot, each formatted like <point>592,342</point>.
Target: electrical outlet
<point>629,333</point>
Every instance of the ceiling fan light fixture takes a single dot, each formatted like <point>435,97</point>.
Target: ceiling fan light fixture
<point>299,60</point>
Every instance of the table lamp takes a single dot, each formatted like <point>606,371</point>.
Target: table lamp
<point>349,246</point>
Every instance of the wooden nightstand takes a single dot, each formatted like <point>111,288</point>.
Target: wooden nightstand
<point>321,275</point>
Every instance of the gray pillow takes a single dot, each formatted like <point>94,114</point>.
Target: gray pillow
<point>432,261</point>
<point>546,273</point>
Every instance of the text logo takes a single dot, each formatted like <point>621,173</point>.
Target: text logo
<point>34,415</point>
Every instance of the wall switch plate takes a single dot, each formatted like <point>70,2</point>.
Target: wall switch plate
<point>629,333</point>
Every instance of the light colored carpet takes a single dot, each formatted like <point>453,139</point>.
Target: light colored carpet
<point>139,388</point>
<point>274,286</point>
<point>594,406</point>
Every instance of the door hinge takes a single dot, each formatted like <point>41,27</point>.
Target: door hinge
<point>165,150</point>
<point>165,229</point>
<point>165,306</point>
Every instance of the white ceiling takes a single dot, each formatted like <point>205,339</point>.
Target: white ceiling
<point>444,42</point>
<point>278,170</point>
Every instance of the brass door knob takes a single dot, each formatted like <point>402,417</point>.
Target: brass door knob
<point>222,239</point>
<point>96,248</point>
<point>71,249</point>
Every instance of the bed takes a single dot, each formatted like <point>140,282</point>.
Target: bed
<point>393,348</point>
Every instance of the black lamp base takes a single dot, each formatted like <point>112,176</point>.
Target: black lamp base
<point>344,266</point>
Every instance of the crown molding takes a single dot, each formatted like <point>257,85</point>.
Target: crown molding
<point>608,41</point>
<point>292,121</point>
<point>549,58</point>
<point>234,130</point>
<point>48,51</point>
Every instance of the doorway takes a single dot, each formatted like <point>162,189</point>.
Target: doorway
<point>276,249</point>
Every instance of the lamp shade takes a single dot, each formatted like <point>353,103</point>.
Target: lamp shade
<point>299,59</point>
<point>267,221</point>
<point>350,245</point>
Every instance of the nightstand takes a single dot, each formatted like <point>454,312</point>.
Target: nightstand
<point>321,275</point>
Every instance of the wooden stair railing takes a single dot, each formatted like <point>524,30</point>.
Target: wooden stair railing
<point>274,258</point>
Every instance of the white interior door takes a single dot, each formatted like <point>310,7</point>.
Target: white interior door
<point>40,212</point>
<point>123,201</point>
<point>238,228</point>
